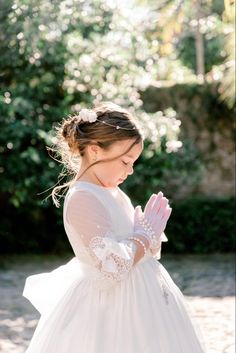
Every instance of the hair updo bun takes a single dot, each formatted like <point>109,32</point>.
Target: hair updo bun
<point>69,133</point>
<point>110,124</point>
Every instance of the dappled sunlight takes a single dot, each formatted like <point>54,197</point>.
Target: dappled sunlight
<point>207,282</point>
<point>15,333</point>
<point>215,317</point>
<point>171,63</point>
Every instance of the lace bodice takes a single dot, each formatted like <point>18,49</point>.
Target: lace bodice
<point>98,222</point>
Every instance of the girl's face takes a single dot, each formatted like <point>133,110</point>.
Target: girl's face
<point>113,173</point>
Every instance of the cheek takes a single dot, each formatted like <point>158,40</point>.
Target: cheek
<point>112,169</point>
<point>116,168</point>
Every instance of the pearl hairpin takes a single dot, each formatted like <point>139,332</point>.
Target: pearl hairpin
<point>117,126</point>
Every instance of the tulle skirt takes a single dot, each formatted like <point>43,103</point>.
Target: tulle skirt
<point>144,313</point>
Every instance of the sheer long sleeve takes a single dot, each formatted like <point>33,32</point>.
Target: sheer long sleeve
<point>91,223</point>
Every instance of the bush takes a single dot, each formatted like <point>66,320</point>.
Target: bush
<point>200,225</point>
<point>39,230</point>
<point>45,72</point>
<point>196,226</point>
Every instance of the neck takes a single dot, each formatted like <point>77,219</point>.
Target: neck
<point>88,175</point>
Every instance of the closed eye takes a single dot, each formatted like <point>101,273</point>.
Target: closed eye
<point>128,163</point>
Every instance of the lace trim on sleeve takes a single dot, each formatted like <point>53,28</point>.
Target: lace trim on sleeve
<point>114,259</point>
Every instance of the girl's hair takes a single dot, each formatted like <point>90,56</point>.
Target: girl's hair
<point>73,136</point>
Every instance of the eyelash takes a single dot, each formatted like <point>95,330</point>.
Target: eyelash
<point>127,163</point>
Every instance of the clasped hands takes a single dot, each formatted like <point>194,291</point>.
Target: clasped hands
<point>152,222</point>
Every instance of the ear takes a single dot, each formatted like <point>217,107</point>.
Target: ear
<point>93,148</point>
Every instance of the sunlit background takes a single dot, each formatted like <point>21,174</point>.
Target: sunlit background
<point>172,64</point>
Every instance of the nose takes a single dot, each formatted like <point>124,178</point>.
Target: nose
<point>130,170</point>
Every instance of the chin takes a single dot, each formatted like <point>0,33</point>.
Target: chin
<point>114,184</point>
<point>110,185</point>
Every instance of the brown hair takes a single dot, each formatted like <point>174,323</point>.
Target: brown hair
<point>72,137</point>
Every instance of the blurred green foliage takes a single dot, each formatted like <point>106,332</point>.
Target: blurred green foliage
<point>201,225</point>
<point>198,225</point>
<point>228,85</point>
<point>56,57</point>
<point>212,50</point>
<point>170,173</point>
<point>176,23</point>
<point>174,29</point>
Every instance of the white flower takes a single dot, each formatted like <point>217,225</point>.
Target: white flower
<point>87,115</point>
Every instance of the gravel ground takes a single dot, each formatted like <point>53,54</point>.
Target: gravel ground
<point>207,282</point>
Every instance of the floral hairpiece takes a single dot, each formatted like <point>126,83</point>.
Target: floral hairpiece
<point>90,116</point>
<point>87,115</point>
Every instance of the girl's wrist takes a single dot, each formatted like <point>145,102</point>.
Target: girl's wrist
<point>145,236</point>
<point>141,240</point>
<point>138,241</point>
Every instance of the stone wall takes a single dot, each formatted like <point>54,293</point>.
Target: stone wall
<point>209,124</point>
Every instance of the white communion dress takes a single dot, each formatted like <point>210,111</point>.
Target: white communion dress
<point>99,301</point>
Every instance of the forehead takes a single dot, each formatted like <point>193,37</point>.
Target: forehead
<point>120,147</point>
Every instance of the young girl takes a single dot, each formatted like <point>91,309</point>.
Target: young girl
<point>114,296</point>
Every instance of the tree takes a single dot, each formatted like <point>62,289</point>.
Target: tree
<point>200,61</point>
<point>56,58</point>
<point>227,87</point>
<point>190,31</point>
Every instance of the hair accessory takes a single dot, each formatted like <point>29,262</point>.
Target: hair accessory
<point>118,127</point>
<point>87,115</point>
<point>90,116</point>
